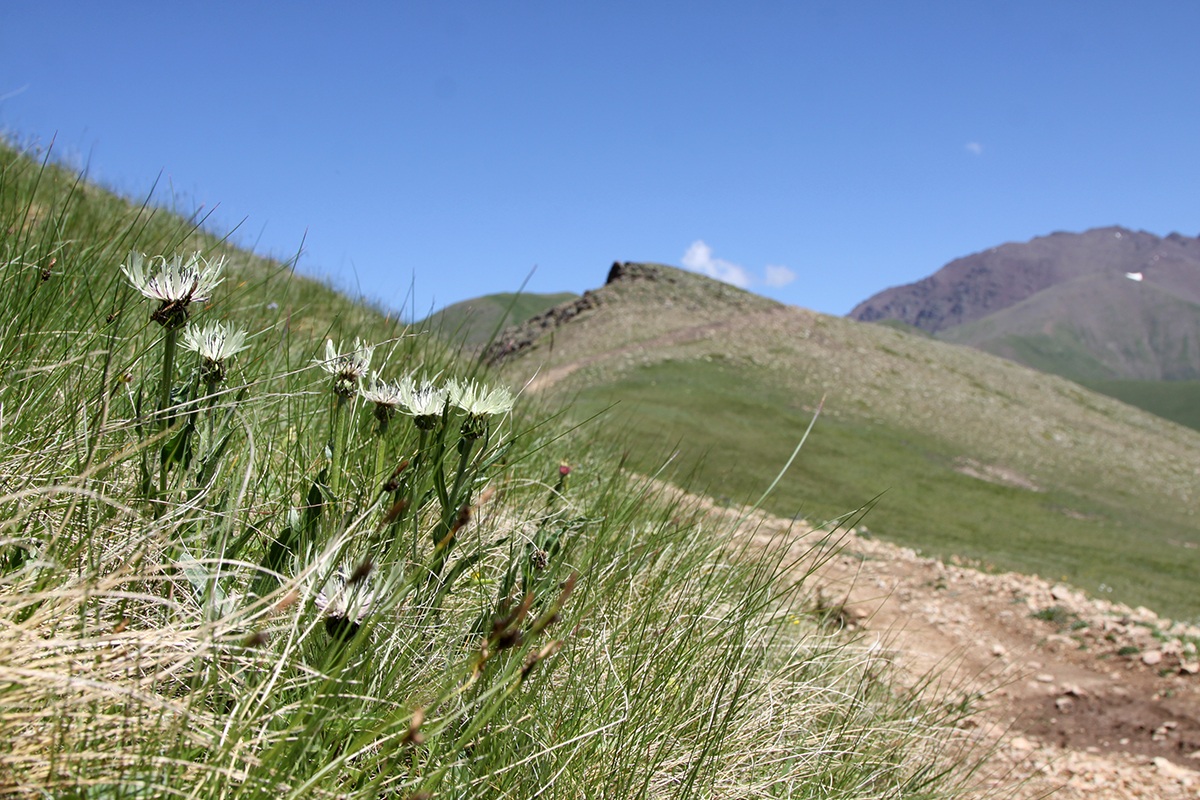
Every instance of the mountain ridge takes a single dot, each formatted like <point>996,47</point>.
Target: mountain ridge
<point>1115,310</point>
<point>976,285</point>
<point>676,288</point>
<point>723,383</point>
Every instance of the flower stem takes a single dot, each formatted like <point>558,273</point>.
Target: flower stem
<point>338,447</point>
<point>168,373</point>
<point>377,475</point>
<point>450,509</point>
<point>418,463</point>
<point>210,392</point>
<point>465,446</point>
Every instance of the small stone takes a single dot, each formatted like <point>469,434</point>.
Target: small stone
<point>1170,769</point>
<point>1045,677</point>
<point>1189,668</point>
<point>1060,592</point>
<point>1064,703</point>
<point>1020,743</point>
<point>1163,731</point>
<point>1152,657</point>
<point>998,650</point>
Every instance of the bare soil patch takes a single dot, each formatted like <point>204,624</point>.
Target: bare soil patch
<point>1078,697</point>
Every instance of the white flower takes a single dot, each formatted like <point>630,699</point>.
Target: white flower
<point>479,401</point>
<point>175,283</point>
<point>389,395</point>
<point>215,343</point>
<point>345,599</point>
<point>386,397</point>
<point>347,368</point>
<point>426,400</point>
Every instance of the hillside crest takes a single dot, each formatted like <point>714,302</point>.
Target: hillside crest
<point>631,285</point>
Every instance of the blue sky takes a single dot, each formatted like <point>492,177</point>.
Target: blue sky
<point>817,152</point>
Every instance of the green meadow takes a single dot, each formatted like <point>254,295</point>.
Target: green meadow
<point>731,427</point>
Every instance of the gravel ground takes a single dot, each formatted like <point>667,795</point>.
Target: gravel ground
<point>1077,696</point>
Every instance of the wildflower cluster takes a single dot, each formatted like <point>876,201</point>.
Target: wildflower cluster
<point>421,488</point>
<point>421,491</point>
<point>177,283</point>
<point>427,404</point>
<point>373,535</point>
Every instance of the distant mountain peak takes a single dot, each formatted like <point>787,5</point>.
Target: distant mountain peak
<point>975,286</point>
<point>1107,303</point>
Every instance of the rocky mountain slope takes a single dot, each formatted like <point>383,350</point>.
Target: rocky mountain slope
<point>1107,303</point>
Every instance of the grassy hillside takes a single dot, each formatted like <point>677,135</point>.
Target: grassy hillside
<point>1063,304</point>
<point>299,564</point>
<point>1098,327</point>
<point>473,323</point>
<point>970,455</point>
<point>1178,401</point>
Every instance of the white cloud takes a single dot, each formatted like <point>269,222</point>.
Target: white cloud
<point>779,275</point>
<point>974,148</point>
<point>699,258</point>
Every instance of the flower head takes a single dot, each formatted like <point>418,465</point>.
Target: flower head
<point>387,397</point>
<point>479,403</point>
<point>426,403</point>
<point>348,368</point>
<point>383,393</point>
<point>215,343</point>
<point>345,599</point>
<point>175,283</point>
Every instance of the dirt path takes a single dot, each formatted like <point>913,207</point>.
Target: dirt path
<point>1081,698</point>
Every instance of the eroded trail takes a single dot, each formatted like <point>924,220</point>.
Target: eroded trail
<point>1081,697</point>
